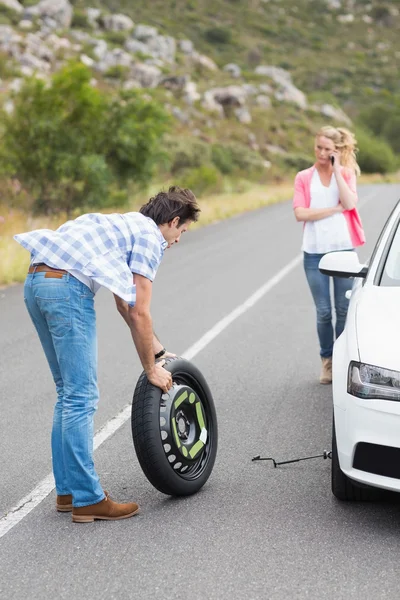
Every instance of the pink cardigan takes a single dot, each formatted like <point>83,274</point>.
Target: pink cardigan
<point>302,198</point>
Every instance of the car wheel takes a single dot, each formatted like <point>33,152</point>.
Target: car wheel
<point>175,434</point>
<point>343,487</point>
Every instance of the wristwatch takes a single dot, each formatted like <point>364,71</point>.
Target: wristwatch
<point>160,354</point>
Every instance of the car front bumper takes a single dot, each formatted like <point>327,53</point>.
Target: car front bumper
<point>370,430</point>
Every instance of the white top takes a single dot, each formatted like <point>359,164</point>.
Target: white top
<point>332,233</point>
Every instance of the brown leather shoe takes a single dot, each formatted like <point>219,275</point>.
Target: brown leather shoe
<point>107,510</point>
<point>64,503</point>
<point>326,371</point>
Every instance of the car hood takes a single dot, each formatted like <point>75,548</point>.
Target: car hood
<point>378,326</point>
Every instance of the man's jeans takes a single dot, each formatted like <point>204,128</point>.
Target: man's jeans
<point>62,311</point>
<point>319,286</point>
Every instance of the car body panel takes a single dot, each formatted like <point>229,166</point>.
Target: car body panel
<point>371,336</point>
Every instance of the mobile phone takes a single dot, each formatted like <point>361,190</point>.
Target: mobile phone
<point>332,159</point>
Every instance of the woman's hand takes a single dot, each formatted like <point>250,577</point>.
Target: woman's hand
<point>336,165</point>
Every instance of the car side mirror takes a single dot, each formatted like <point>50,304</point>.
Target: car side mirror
<point>342,264</point>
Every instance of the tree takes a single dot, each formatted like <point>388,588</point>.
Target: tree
<point>69,143</point>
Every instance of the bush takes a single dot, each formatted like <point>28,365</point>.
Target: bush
<point>201,180</point>
<point>297,162</point>
<point>117,38</point>
<point>222,158</point>
<point>375,117</point>
<point>80,20</point>
<point>218,35</point>
<point>187,153</point>
<point>375,155</point>
<point>391,132</point>
<point>67,143</point>
<point>117,72</point>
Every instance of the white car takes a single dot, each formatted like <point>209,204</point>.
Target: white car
<point>366,371</point>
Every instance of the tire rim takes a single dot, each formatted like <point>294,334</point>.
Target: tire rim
<point>186,428</point>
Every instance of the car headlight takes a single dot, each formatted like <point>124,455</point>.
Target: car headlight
<point>369,382</point>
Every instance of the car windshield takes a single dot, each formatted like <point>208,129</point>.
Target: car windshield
<point>391,271</point>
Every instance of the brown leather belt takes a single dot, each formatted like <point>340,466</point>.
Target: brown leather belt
<point>50,272</point>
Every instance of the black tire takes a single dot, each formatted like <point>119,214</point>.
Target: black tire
<point>190,433</point>
<point>343,487</point>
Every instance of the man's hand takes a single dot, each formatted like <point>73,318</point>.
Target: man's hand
<point>169,355</point>
<point>159,377</point>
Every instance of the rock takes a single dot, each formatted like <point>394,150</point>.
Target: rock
<point>26,71</point>
<point>60,11</point>
<point>156,62</point>
<point>58,43</point>
<point>250,89</point>
<point>287,91</point>
<point>135,46</point>
<point>146,75</point>
<point>186,46</point>
<point>13,5</point>
<point>6,32</point>
<point>180,115</point>
<point>8,106</point>
<point>204,61</point>
<point>279,75</point>
<point>233,70</point>
<point>93,15</point>
<point>290,93</point>
<point>86,60</point>
<point>334,4</point>
<point>25,24</point>
<point>174,82</point>
<point>35,45</point>
<point>144,33</point>
<point>29,60</point>
<point>367,19</point>
<point>275,149</point>
<point>162,47</point>
<point>232,95</point>
<point>190,93</point>
<point>263,101</point>
<point>210,103</point>
<point>117,22</point>
<point>116,58</point>
<point>243,115</point>
<point>265,88</point>
<point>100,49</point>
<point>131,84</point>
<point>334,113</point>
<point>82,36</point>
<point>16,85</point>
<point>349,18</point>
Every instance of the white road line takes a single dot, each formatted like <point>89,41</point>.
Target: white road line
<point>43,489</point>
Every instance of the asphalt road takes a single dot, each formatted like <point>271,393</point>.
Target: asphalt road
<point>253,532</point>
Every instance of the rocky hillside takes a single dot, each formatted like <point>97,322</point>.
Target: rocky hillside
<point>258,76</point>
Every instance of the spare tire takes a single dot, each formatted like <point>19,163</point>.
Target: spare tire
<point>175,434</point>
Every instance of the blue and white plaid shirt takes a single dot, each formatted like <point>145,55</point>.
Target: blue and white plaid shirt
<point>105,248</point>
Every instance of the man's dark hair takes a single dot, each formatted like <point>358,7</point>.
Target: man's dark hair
<point>177,202</point>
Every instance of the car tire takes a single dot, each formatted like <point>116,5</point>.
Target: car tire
<point>175,435</point>
<point>343,487</point>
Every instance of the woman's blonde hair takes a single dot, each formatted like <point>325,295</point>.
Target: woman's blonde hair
<point>345,142</point>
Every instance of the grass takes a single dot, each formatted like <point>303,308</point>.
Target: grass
<point>15,259</point>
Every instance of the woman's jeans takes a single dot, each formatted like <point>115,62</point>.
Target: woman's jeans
<point>319,286</point>
<point>62,310</point>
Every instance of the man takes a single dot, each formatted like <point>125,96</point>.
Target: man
<point>121,252</point>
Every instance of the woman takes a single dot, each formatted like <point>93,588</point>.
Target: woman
<point>325,201</point>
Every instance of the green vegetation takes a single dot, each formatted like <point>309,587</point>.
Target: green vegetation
<point>72,146</point>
